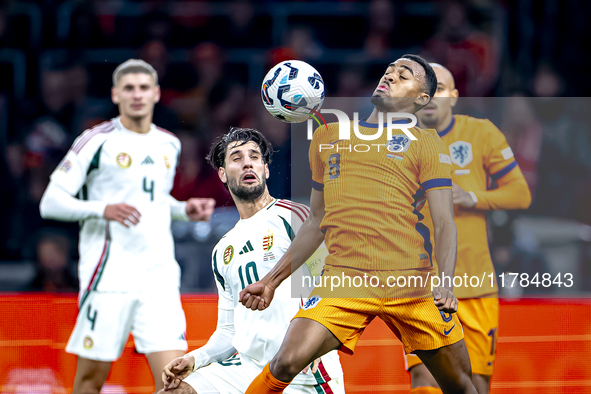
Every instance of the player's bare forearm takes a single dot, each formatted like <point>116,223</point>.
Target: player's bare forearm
<point>259,295</point>
<point>445,250</point>
<point>304,244</point>
<point>445,232</point>
<point>512,193</point>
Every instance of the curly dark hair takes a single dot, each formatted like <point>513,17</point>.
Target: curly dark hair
<point>217,153</point>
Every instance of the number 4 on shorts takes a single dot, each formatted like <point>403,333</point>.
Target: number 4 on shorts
<point>92,318</point>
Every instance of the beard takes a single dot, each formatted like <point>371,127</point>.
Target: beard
<point>247,193</point>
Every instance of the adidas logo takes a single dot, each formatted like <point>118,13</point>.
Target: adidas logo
<point>148,160</point>
<point>247,248</point>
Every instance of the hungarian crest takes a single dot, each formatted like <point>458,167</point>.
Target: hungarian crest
<point>228,254</point>
<point>268,242</point>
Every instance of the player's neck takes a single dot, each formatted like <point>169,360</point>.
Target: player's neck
<point>248,209</point>
<point>374,116</point>
<point>140,125</point>
<point>445,122</point>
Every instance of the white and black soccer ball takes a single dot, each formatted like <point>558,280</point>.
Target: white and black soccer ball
<point>291,90</point>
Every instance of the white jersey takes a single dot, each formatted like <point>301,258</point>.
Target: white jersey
<point>244,255</point>
<point>112,164</point>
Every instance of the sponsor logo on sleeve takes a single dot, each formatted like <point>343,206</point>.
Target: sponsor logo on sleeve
<point>507,153</point>
<point>66,166</point>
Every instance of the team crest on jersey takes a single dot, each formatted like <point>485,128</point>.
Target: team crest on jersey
<point>66,166</point>
<point>461,153</point>
<point>312,302</point>
<point>268,242</point>
<point>167,162</point>
<point>228,254</point>
<point>88,342</point>
<point>399,143</point>
<point>123,160</point>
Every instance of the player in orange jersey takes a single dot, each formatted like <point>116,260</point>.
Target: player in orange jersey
<point>478,151</point>
<point>365,205</point>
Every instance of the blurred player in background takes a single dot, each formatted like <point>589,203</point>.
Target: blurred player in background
<point>366,205</point>
<point>246,253</point>
<point>478,151</point>
<point>123,170</point>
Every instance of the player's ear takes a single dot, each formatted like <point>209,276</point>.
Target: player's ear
<point>157,94</point>
<point>454,95</point>
<point>422,100</point>
<point>222,175</point>
<point>266,171</point>
<point>114,95</point>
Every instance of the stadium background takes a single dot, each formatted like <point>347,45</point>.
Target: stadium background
<point>56,60</point>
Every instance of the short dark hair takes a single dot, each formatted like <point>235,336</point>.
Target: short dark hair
<point>430,78</point>
<point>217,153</point>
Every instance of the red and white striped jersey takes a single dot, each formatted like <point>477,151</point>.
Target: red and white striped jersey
<point>112,164</point>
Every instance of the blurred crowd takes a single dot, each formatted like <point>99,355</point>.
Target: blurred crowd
<point>56,58</point>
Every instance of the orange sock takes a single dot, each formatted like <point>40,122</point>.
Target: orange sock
<point>266,383</point>
<point>426,390</point>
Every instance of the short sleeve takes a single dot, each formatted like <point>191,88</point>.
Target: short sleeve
<point>225,300</point>
<point>434,163</point>
<point>316,164</point>
<point>499,160</point>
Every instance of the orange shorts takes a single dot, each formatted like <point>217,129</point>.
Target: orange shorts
<point>480,320</point>
<point>416,321</point>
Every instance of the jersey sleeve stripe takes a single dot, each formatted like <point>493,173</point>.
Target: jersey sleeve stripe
<point>293,210</point>
<point>303,207</point>
<point>89,134</point>
<point>218,276</point>
<point>299,207</point>
<point>105,127</point>
<point>438,182</point>
<point>166,131</point>
<point>498,175</point>
<point>317,186</point>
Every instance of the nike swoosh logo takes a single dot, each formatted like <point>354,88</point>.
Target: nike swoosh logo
<point>446,332</point>
<point>332,143</point>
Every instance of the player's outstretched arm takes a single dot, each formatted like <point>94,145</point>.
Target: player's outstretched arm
<point>441,206</point>
<point>58,204</point>
<point>258,295</point>
<point>195,209</point>
<point>200,209</point>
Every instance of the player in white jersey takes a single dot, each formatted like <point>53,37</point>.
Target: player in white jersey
<point>122,171</point>
<point>245,254</point>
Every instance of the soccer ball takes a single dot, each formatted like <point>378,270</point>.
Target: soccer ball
<point>292,91</point>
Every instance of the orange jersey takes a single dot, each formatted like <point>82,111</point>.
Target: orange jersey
<point>373,193</point>
<point>479,151</point>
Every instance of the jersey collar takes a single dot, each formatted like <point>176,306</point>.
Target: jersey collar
<point>448,128</point>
